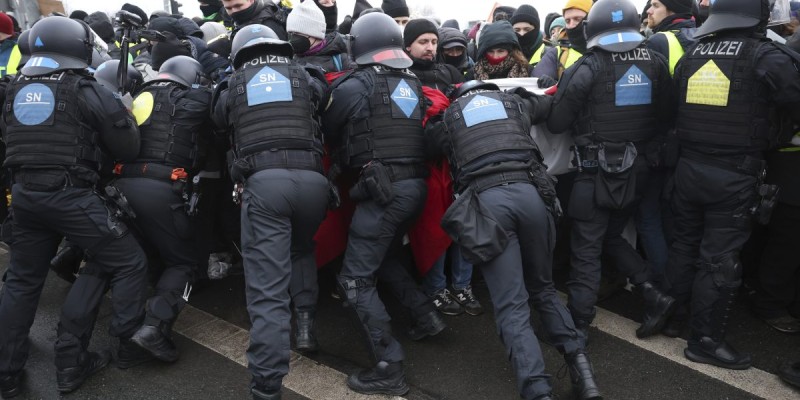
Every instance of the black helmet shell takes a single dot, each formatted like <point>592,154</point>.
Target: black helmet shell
<point>734,14</point>
<point>184,70</point>
<point>255,39</point>
<point>58,44</point>
<point>377,39</point>
<point>24,47</point>
<point>469,86</point>
<point>613,25</point>
<point>106,75</point>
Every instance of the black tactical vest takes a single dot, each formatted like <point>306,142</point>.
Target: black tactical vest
<point>272,108</point>
<point>484,123</point>
<point>620,106</point>
<point>393,129</point>
<point>173,134</point>
<point>44,125</point>
<point>721,105</point>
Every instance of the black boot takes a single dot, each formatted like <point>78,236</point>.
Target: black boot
<point>582,376</point>
<point>305,338</point>
<point>719,353</point>
<point>384,378</point>
<point>11,384</point>
<point>71,378</point>
<point>152,339</point>
<point>430,324</point>
<point>265,394</point>
<point>658,307</point>
<point>130,354</point>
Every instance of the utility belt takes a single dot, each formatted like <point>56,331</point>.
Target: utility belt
<point>242,168</point>
<point>49,180</point>
<point>376,178</point>
<point>152,171</point>
<point>742,164</point>
<point>483,182</point>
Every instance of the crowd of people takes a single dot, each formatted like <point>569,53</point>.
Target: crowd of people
<point>347,144</point>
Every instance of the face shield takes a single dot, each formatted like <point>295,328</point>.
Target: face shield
<point>781,12</point>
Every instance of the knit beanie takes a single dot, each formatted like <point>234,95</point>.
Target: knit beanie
<point>583,5</point>
<point>6,25</point>
<point>558,22</point>
<point>526,13</point>
<point>678,6</point>
<point>451,23</point>
<point>79,15</point>
<point>212,30</point>
<point>415,28</point>
<point>503,13</point>
<point>308,19</point>
<point>395,8</point>
<point>497,34</point>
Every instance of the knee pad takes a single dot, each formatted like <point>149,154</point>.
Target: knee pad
<point>726,270</point>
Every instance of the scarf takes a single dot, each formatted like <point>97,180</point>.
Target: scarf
<point>509,68</point>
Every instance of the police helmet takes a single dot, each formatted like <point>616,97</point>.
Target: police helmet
<point>377,39</point>
<point>469,86</point>
<point>613,25</point>
<point>24,47</point>
<point>252,40</point>
<point>58,44</point>
<point>734,14</point>
<point>98,58</point>
<point>180,69</point>
<point>106,75</point>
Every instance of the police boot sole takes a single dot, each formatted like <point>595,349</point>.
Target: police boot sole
<point>710,360</point>
<point>393,391</point>
<point>307,346</point>
<point>655,327</point>
<point>13,389</point>
<point>154,347</point>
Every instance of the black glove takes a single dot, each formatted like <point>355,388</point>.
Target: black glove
<point>546,82</point>
<point>163,51</point>
<point>344,27</point>
<point>521,92</point>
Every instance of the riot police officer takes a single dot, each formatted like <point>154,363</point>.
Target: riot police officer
<point>498,172</point>
<point>612,100</point>
<point>270,106</point>
<point>726,85</point>
<point>172,114</point>
<point>57,123</point>
<point>374,124</point>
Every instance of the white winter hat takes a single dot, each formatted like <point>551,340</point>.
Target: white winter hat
<point>308,19</point>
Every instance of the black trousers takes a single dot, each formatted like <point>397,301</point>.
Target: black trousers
<point>710,207</point>
<point>779,281</point>
<point>41,219</point>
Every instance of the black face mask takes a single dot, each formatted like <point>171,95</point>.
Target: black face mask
<point>454,60</point>
<point>528,40</point>
<point>331,15</point>
<point>300,44</point>
<point>209,10</point>
<point>245,15</point>
<point>576,37</point>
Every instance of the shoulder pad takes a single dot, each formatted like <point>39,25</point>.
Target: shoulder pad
<point>315,72</point>
<point>217,92</point>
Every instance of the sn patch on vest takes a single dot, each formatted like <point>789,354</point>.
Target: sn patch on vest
<point>268,86</point>
<point>482,109</point>
<point>34,104</point>
<point>142,107</point>
<point>404,99</point>
<point>634,88</point>
<point>708,86</point>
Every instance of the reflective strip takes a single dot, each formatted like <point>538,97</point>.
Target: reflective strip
<point>675,50</point>
<point>10,67</point>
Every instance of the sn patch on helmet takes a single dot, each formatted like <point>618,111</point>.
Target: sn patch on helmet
<point>268,85</point>
<point>482,109</point>
<point>708,86</point>
<point>405,102</point>
<point>634,88</point>
<point>34,105</point>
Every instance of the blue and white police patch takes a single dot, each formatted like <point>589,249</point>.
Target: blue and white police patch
<point>34,104</point>
<point>634,88</point>
<point>268,86</point>
<point>405,98</point>
<point>482,109</point>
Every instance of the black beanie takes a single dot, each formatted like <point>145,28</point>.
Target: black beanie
<point>395,8</point>
<point>415,28</point>
<point>497,34</point>
<point>360,6</point>
<point>526,13</point>
<point>80,15</point>
<point>451,23</point>
<point>678,6</point>
<point>135,10</point>
<point>503,13</point>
